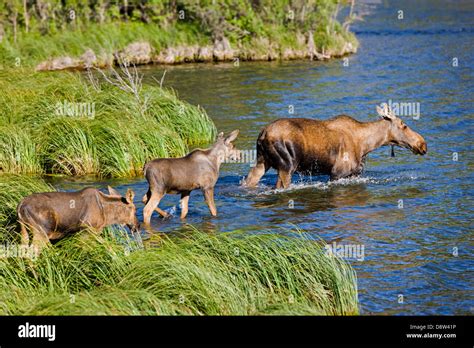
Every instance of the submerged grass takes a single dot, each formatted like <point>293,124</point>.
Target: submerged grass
<point>68,125</point>
<point>200,274</point>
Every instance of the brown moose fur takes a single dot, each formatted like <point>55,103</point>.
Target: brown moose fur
<point>336,147</point>
<point>197,170</point>
<point>53,215</point>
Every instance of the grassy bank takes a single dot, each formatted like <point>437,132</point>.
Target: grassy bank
<point>176,31</point>
<point>63,123</point>
<point>194,274</point>
<point>200,274</point>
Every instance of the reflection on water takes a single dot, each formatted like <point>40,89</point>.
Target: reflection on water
<point>411,213</point>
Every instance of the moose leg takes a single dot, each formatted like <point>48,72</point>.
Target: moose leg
<point>256,173</point>
<point>184,203</point>
<point>145,200</point>
<point>25,238</point>
<point>278,184</point>
<point>345,169</point>
<point>209,197</point>
<point>40,238</point>
<point>152,204</point>
<point>284,179</point>
<point>146,197</point>
<point>162,212</point>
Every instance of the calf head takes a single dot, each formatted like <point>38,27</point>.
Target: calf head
<point>400,134</point>
<point>225,149</point>
<point>123,209</point>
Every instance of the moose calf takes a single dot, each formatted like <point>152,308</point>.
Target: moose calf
<point>53,215</point>
<point>197,170</point>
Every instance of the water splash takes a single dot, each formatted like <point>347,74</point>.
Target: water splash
<point>325,185</point>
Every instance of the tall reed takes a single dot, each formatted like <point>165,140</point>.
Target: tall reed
<point>46,131</point>
<point>200,274</point>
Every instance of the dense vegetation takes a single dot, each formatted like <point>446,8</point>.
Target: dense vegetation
<point>193,274</point>
<point>131,124</point>
<point>34,30</point>
<point>63,123</point>
<point>196,275</point>
<point>109,124</point>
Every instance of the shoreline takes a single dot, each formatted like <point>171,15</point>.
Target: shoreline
<point>142,53</point>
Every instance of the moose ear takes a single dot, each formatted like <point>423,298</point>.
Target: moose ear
<point>113,192</point>
<point>379,110</point>
<point>231,137</point>
<point>130,196</point>
<point>385,112</point>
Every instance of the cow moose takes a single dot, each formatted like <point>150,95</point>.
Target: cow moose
<point>336,147</point>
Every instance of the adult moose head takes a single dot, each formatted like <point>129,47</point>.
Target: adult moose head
<point>400,134</point>
<point>53,215</point>
<point>336,147</point>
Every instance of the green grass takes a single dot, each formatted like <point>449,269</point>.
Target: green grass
<point>13,188</point>
<point>190,274</point>
<point>18,154</point>
<point>251,29</point>
<point>123,135</point>
<point>200,274</point>
<point>103,39</point>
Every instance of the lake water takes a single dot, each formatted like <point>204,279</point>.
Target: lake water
<point>411,214</point>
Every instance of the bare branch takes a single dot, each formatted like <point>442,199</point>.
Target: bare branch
<point>127,80</point>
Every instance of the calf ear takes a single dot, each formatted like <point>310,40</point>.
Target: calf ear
<point>113,192</point>
<point>232,136</point>
<point>130,196</point>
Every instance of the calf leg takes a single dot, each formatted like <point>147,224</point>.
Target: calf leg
<point>40,238</point>
<point>146,197</point>
<point>184,203</point>
<point>39,226</point>
<point>145,200</point>
<point>209,197</point>
<point>25,238</point>
<point>162,212</point>
<point>152,204</point>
